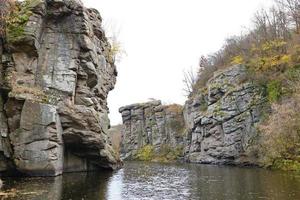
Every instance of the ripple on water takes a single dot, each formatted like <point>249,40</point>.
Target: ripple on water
<point>151,181</point>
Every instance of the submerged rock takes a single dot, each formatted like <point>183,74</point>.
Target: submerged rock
<point>56,77</point>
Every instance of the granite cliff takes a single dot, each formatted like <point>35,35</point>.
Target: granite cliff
<point>151,124</point>
<point>217,124</point>
<point>56,72</point>
<point>221,119</point>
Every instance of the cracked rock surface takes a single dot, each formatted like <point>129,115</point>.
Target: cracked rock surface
<point>152,124</point>
<point>54,86</point>
<point>222,123</point>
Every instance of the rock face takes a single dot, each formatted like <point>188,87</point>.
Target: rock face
<point>152,124</point>
<point>56,76</point>
<point>222,122</point>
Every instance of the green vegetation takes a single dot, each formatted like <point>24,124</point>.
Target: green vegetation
<point>18,19</point>
<point>165,154</point>
<point>286,165</point>
<point>274,90</point>
<point>168,154</point>
<point>146,153</point>
<point>116,51</point>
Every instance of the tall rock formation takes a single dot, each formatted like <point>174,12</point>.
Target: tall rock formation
<point>57,69</point>
<point>152,124</point>
<point>222,119</point>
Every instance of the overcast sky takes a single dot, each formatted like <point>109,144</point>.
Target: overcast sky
<point>162,38</point>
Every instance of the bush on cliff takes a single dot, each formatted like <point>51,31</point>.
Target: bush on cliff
<point>18,17</point>
<point>270,48</point>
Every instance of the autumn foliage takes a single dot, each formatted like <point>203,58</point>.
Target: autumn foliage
<point>268,49</point>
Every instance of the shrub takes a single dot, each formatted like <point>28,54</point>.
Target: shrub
<point>166,153</point>
<point>280,136</point>
<point>237,60</point>
<point>146,153</point>
<point>176,121</point>
<point>18,19</point>
<point>274,90</point>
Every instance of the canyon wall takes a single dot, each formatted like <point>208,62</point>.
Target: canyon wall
<point>217,125</point>
<point>57,69</point>
<point>151,124</point>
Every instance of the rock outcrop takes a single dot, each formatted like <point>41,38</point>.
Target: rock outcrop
<point>221,121</point>
<point>217,125</point>
<point>57,69</point>
<point>152,124</point>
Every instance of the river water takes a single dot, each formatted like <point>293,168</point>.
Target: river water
<point>143,181</point>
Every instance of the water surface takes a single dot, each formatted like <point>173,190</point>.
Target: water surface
<point>138,180</point>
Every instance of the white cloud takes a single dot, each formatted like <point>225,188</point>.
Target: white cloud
<point>164,37</point>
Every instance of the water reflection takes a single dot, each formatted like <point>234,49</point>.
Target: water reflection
<point>162,181</point>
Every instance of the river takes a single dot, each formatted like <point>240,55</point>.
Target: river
<point>143,181</point>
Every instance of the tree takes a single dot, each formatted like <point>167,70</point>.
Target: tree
<point>271,25</point>
<point>189,80</point>
<point>293,10</point>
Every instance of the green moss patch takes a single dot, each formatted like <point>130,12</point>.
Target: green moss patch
<point>165,154</point>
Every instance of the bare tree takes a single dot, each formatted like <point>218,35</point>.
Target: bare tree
<point>189,80</point>
<point>113,31</point>
<point>271,25</point>
<point>293,9</point>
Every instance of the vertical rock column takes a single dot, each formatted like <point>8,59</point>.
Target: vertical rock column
<point>38,144</point>
<point>152,124</point>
